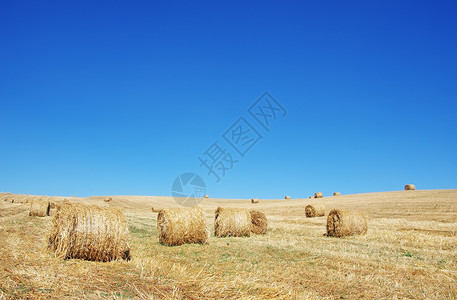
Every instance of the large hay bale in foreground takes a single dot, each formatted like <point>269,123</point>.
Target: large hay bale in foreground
<point>318,195</point>
<point>315,210</point>
<point>337,194</point>
<point>254,200</point>
<point>410,187</point>
<point>345,223</point>
<point>259,222</point>
<point>89,232</point>
<point>232,222</point>
<point>39,208</point>
<point>179,226</point>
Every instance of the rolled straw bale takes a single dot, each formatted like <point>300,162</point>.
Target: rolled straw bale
<point>254,200</point>
<point>108,199</point>
<point>315,210</point>
<point>318,195</point>
<point>206,196</point>
<point>287,197</point>
<point>232,222</point>
<point>90,233</point>
<point>410,187</point>
<point>345,223</point>
<point>337,194</point>
<point>52,205</point>
<point>259,222</point>
<point>39,208</point>
<point>179,226</point>
<point>156,210</point>
<point>310,197</point>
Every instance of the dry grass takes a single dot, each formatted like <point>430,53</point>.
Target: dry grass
<point>409,252</point>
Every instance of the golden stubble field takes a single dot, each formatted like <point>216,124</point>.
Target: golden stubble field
<point>410,252</point>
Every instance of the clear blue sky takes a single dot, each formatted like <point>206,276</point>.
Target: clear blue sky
<point>120,97</point>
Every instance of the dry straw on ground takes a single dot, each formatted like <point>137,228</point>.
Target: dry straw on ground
<point>337,194</point>
<point>259,222</point>
<point>90,233</point>
<point>232,222</point>
<point>287,197</point>
<point>410,187</point>
<point>318,195</point>
<point>315,210</point>
<point>179,226</point>
<point>345,223</point>
<point>39,208</point>
<point>254,200</point>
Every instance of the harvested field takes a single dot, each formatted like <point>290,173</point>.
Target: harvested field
<point>411,239</point>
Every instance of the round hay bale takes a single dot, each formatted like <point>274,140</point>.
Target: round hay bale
<point>410,187</point>
<point>39,208</point>
<point>345,223</point>
<point>318,195</point>
<point>52,205</point>
<point>337,194</point>
<point>287,197</point>
<point>90,233</point>
<point>108,199</point>
<point>232,222</point>
<point>315,210</point>
<point>156,210</point>
<point>310,197</point>
<point>254,200</point>
<point>179,226</point>
<point>206,196</point>
<point>259,222</point>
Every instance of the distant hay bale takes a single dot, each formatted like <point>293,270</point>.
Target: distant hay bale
<point>410,187</point>
<point>287,197</point>
<point>90,233</point>
<point>254,200</point>
<point>310,197</point>
<point>345,223</point>
<point>206,196</point>
<point>315,210</point>
<point>179,226</point>
<point>259,222</point>
<point>337,194</point>
<point>232,222</point>
<point>318,195</point>
<point>108,199</point>
<point>39,208</point>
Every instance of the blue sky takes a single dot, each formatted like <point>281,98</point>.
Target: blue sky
<point>120,97</point>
